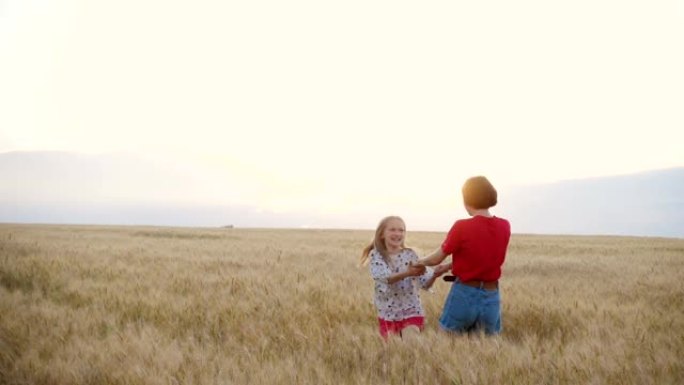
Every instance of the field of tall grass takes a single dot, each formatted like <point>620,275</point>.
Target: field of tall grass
<point>146,305</point>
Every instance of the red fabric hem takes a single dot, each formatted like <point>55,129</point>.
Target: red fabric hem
<point>395,327</point>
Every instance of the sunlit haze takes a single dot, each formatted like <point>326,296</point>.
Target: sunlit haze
<point>349,106</point>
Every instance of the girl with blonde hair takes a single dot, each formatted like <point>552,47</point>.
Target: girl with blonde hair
<point>396,278</point>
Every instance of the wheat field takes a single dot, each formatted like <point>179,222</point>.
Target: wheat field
<point>148,305</point>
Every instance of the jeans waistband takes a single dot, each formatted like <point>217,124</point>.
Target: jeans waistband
<point>487,285</point>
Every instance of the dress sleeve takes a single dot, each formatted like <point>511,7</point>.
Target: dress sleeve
<point>423,279</point>
<point>378,268</point>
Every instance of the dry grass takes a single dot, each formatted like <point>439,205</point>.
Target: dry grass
<point>142,305</point>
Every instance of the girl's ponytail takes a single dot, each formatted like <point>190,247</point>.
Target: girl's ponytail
<point>365,254</point>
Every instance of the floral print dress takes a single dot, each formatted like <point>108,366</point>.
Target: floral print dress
<point>399,300</point>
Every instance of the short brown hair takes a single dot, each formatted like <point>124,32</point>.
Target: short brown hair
<point>479,193</point>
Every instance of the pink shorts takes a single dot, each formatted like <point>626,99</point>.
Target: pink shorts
<point>395,327</point>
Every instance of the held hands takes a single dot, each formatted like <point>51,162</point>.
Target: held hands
<point>418,268</point>
<point>418,263</point>
<point>415,269</point>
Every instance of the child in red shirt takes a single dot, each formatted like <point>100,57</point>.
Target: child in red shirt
<point>478,248</point>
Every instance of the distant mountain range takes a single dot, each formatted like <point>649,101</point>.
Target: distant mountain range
<point>648,203</point>
<point>60,187</point>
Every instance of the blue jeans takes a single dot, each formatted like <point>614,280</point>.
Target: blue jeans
<point>469,309</point>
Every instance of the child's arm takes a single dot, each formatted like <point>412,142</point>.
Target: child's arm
<point>435,258</point>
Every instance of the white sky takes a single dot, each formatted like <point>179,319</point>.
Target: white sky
<point>350,104</point>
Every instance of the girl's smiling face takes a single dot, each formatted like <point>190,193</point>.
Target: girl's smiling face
<point>394,235</point>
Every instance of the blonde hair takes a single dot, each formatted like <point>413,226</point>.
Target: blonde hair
<point>378,243</point>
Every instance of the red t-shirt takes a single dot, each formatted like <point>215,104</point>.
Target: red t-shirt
<point>478,247</point>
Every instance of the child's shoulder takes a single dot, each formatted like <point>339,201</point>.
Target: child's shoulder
<point>461,223</point>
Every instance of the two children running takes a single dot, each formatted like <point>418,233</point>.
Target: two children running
<point>478,248</point>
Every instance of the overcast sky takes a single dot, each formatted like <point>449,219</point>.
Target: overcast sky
<point>350,103</point>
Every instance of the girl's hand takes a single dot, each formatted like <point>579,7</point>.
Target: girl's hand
<point>417,263</point>
<point>415,270</point>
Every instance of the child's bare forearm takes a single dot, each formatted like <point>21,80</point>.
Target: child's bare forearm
<point>394,278</point>
<point>435,258</point>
